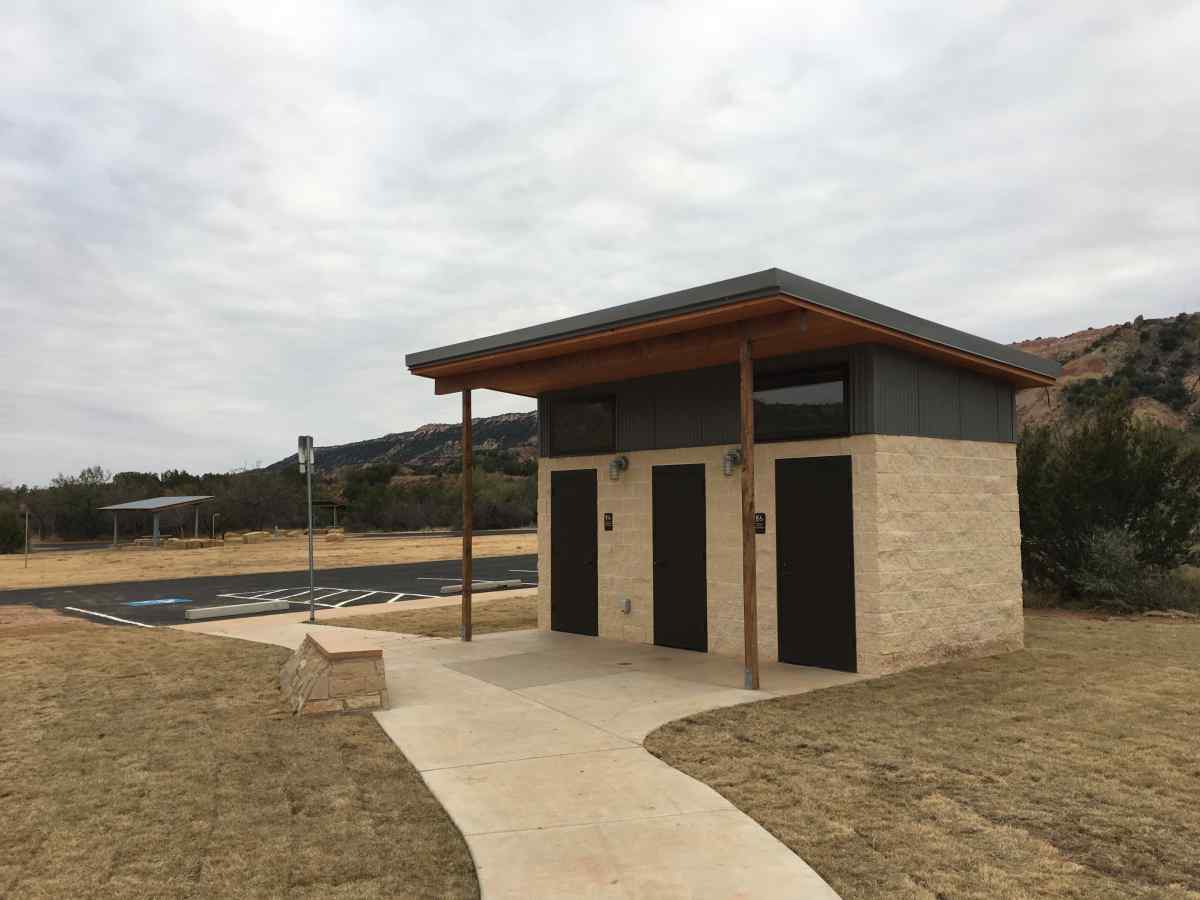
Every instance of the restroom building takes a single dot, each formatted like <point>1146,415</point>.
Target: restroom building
<point>770,468</point>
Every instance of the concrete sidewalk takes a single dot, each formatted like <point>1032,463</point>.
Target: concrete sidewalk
<point>531,740</point>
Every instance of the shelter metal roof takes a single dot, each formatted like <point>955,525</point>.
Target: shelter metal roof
<point>157,504</point>
<point>737,290</point>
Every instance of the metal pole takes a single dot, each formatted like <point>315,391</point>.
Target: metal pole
<point>312,591</point>
<point>156,529</point>
<point>27,539</point>
<point>197,522</point>
<point>468,501</point>
<point>749,573</point>
<point>114,528</point>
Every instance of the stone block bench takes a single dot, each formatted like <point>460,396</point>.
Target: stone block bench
<point>334,673</point>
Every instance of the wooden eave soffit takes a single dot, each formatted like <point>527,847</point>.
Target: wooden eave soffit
<point>648,356</point>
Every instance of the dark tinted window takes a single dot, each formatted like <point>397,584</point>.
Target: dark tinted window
<point>799,405</point>
<point>582,425</point>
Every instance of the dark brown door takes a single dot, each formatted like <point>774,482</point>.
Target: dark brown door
<point>573,583</point>
<point>814,546</point>
<point>680,580</point>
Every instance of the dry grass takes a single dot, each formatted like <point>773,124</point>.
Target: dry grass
<point>499,614</point>
<point>282,554</point>
<point>1067,770</point>
<point>160,764</point>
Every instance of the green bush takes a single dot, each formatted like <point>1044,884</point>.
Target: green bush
<point>12,531</point>
<point>1108,509</point>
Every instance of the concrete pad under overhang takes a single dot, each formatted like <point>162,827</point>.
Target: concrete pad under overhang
<point>531,740</point>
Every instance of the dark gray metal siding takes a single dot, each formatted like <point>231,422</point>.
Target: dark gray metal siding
<point>888,392</point>
<point>923,398</point>
<point>860,390</point>
<point>635,418</point>
<point>895,392</point>
<point>682,409</point>
<point>1006,413</point>
<point>937,402</point>
<point>977,402</point>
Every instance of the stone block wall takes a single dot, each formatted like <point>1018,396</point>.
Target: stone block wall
<point>936,538</point>
<point>316,680</point>
<point>938,560</point>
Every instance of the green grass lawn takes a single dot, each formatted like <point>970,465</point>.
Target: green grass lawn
<point>142,763</point>
<point>1071,769</point>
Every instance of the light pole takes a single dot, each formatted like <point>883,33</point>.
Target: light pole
<point>307,461</point>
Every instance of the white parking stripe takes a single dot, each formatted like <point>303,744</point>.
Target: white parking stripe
<point>359,597</point>
<point>524,571</point>
<point>290,596</point>
<point>88,612</point>
<point>299,595</point>
<point>333,593</point>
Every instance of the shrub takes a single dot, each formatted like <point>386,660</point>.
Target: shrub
<point>1111,574</point>
<point>1109,508</point>
<point>12,531</point>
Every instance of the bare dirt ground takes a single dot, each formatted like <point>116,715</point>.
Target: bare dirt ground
<point>487,616</point>
<point>156,763</point>
<point>280,554</point>
<point>1065,770</point>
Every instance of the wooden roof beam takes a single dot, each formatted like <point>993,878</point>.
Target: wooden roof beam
<point>685,350</point>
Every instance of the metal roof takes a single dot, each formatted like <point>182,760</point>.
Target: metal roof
<point>157,504</point>
<point>733,290</point>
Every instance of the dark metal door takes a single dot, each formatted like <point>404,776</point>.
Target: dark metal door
<point>680,579</point>
<point>573,582</point>
<point>814,552</point>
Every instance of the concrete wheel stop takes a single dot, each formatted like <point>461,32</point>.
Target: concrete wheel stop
<point>334,674</point>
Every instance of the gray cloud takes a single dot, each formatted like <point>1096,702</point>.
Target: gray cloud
<point>226,226</point>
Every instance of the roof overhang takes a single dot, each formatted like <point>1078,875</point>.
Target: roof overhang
<point>156,504</point>
<point>779,312</point>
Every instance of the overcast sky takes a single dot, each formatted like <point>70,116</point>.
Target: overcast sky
<point>224,226</point>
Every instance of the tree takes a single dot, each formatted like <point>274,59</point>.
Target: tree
<point>12,529</point>
<point>1110,489</point>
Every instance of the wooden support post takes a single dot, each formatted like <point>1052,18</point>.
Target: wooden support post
<point>114,528</point>
<point>196,528</point>
<point>468,513</point>
<point>749,579</point>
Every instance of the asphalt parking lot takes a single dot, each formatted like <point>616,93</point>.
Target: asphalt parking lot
<point>164,602</point>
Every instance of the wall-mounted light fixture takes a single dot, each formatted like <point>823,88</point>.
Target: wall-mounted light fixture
<point>732,457</point>
<point>616,466</point>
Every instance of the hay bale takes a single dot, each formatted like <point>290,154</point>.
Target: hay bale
<point>335,536</point>
<point>256,537</point>
<point>232,538</point>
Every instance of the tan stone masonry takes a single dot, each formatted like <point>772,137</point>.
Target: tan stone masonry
<point>338,678</point>
<point>936,540</point>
